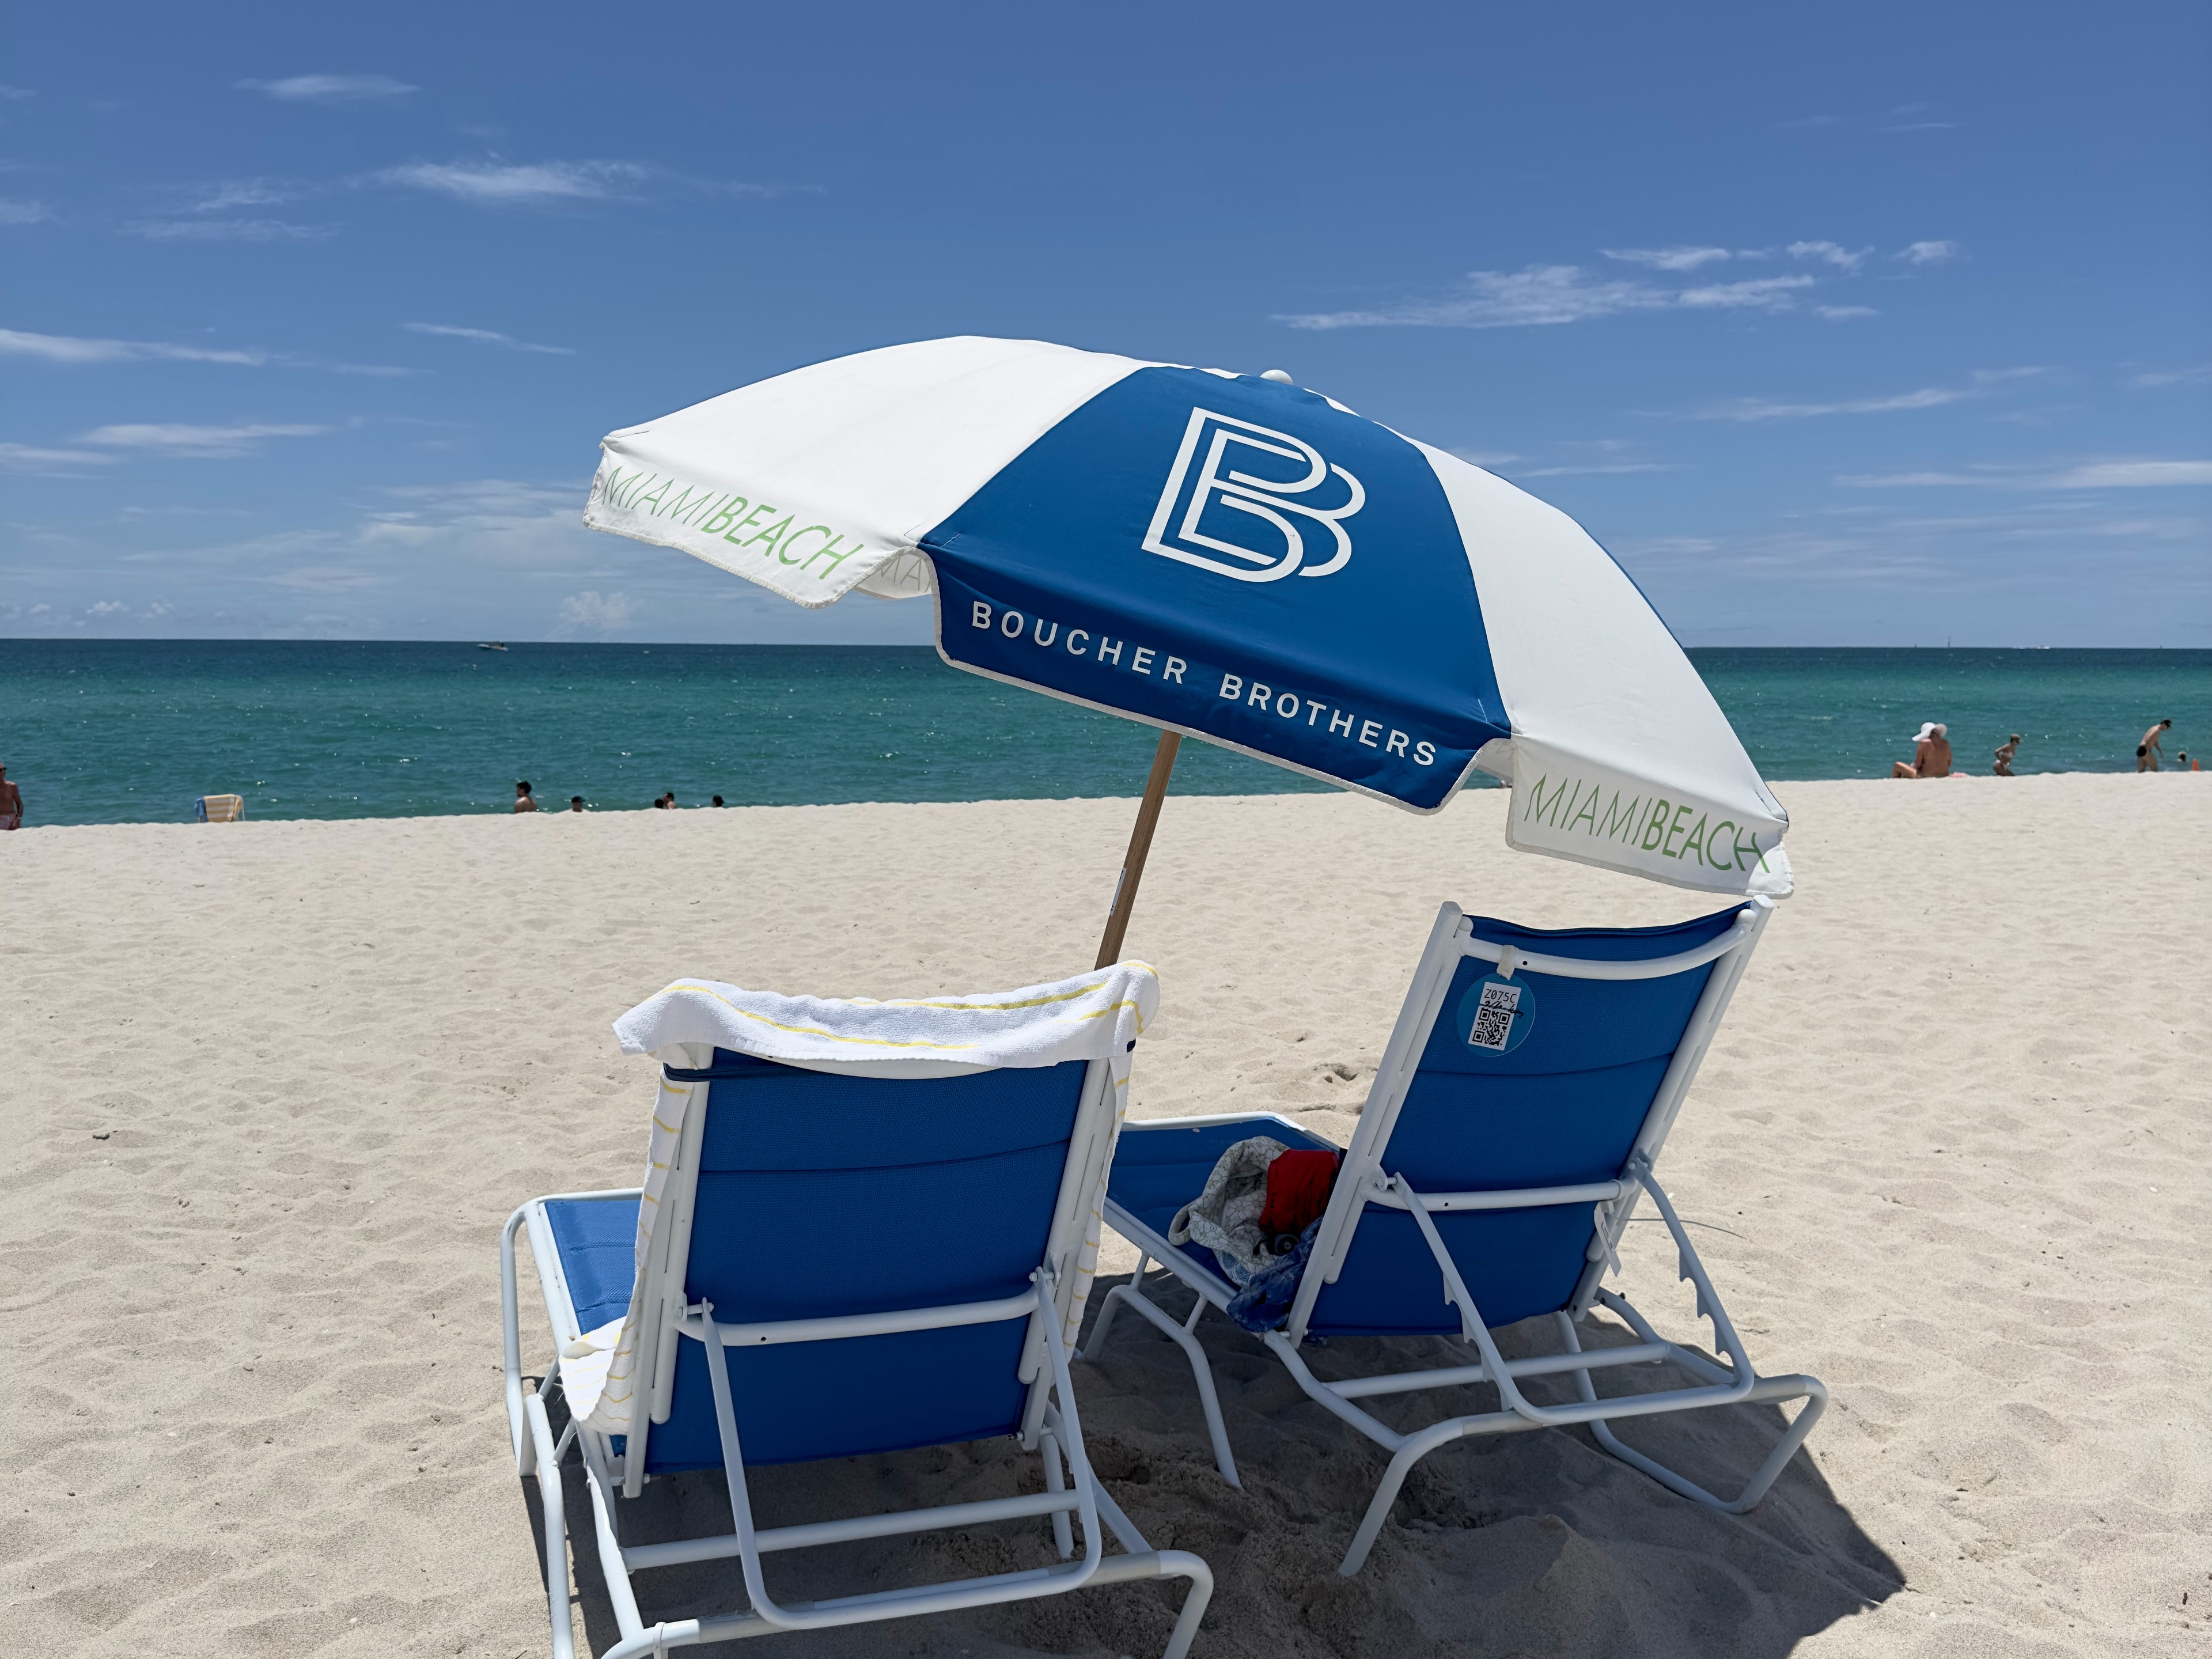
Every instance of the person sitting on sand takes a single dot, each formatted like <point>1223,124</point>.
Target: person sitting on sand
<point>2005,752</point>
<point>1931,754</point>
<point>11,803</point>
<point>524,800</point>
<point>2147,751</point>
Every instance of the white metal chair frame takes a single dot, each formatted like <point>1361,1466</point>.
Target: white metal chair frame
<point>1363,1180</point>
<point>1050,1424</point>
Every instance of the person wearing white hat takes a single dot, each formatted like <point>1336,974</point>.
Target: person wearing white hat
<point>1931,754</point>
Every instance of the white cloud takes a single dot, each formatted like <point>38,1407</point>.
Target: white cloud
<point>1762,292</point>
<point>1927,253</point>
<point>330,89</point>
<point>15,212</point>
<point>1832,253</point>
<point>2197,376</point>
<point>68,348</point>
<point>1757,408</point>
<point>1844,314</point>
<point>220,443</point>
<point>487,336</point>
<point>1495,299</point>
<point>591,611</point>
<point>2135,473</point>
<point>499,183</point>
<point>1571,471</point>
<point>15,94</point>
<point>26,458</point>
<point>1668,259</point>
<point>2132,475</point>
<point>227,230</point>
<point>106,608</point>
<point>229,193</point>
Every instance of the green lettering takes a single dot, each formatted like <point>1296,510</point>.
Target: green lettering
<point>1713,841</point>
<point>654,499</point>
<point>1669,849</point>
<point>1697,841</point>
<point>1655,828</point>
<point>769,535</point>
<point>1588,814</point>
<point>1618,825</point>
<point>746,523</point>
<point>783,553</point>
<point>829,551</point>
<point>723,515</point>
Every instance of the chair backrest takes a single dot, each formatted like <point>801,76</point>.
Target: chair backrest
<point>1588,1078</point>
<point>803,1194</point>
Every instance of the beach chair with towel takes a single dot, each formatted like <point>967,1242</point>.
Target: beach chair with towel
<point>1511,1130</point>
<point>864,1227</point>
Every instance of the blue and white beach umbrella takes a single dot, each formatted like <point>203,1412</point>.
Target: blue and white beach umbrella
<point>1229,558</point>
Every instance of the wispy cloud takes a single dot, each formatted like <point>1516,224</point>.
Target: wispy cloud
<point>76,351</point>
<point>487,336</point>
<point>15,94</point>
<point>330,88</point>
<point>1761,408</point>
<point>1832,253</point>
<point>503,183</point>
<point>227,194</point>
<point>67,348</point>
<point>226,230</point>
<point>16,211</point>
<point>1534,296</point>
<point>1612,466</point>
<point>1761,292</point>
<point>2199,375</point>
<point>27,458</point>
<point>1668,259</point>
<point>2125,473</point>
<point>1927,253</point>
<point>1540,295</point>
<point>211,443</point>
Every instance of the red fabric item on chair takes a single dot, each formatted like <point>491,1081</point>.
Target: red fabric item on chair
<point>1297,1192</point>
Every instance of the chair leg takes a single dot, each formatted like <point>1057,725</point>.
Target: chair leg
<point>1811,1389</point>
<point>1106,1308</point>
<point>1417,1447</point>
<point>548,1470</point>
<point>1063,1538</point>
<point>1223,1459</point>
<point>1808,1388</point>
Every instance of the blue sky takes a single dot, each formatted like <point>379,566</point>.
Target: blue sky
<point>1882,326</point>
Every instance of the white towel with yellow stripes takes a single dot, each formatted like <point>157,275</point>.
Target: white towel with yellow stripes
<point>1094,1016</point>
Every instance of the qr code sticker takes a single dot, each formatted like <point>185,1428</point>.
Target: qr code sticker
<point>1494,1018</point>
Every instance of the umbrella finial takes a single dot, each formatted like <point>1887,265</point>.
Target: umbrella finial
<point>1280,376</point>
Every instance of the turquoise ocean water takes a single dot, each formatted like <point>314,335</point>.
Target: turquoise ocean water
<point>104,731</point>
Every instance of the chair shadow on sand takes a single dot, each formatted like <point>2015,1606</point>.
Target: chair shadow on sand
<point>1532,1545</point>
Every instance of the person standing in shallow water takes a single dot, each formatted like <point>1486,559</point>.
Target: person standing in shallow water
<point>2147,751</point>
<point>1931,754</point>
<point>524,800</point>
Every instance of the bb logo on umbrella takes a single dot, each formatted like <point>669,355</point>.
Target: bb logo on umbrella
<point>1251,520</point>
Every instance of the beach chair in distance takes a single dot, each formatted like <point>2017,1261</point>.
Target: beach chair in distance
<point>848,1258</point>
<point>1486,1185</point>
<point>219,809</point>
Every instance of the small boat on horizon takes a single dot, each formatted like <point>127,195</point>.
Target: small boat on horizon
<point>491,645</point>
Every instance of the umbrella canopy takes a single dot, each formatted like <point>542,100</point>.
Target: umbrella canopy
<point>1226,556</point>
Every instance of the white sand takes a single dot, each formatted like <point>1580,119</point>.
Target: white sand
<point>271,1088</point>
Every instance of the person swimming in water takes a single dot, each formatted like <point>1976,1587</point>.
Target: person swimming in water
<point>1931,754</point>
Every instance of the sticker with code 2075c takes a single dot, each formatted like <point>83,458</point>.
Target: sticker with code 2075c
<point>1497,1014</point>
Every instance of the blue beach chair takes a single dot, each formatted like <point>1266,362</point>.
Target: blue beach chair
<point>1508,1137</point>
<point>854,1257</point>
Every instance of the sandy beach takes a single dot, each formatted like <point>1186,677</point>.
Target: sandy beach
<point>270,1089</point>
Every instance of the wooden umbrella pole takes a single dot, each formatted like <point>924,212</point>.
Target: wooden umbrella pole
<point>1140,844</point>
